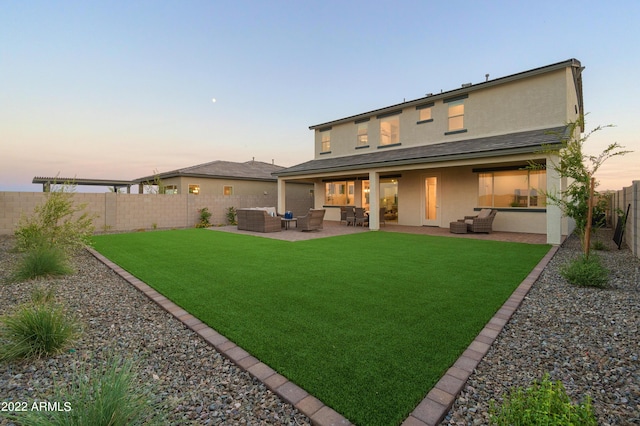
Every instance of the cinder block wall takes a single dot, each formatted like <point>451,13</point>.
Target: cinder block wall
<point>629,197</point>
<point>128,212</point>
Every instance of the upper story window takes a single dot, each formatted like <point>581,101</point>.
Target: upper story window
<point>425,113</point>
<point>363,134</point>
<point>171,189</point>
<point>326,140</point>
<point>194,189</point>
<point>390,130</point>
<point>227,190</point>
<point>456,115</point>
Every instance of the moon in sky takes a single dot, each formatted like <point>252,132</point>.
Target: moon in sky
<point>213,100</point>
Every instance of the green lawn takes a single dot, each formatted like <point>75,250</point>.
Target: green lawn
<point>367,322</point>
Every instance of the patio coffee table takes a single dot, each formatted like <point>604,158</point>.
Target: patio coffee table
<point>286,222</point>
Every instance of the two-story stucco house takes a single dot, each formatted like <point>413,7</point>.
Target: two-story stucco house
<point>434,160</point>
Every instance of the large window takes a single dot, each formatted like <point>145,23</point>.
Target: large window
<point>340,193</point>
<point>326,140</point>
<point>363,134</point>
<point>514,188</point>
<point>456,115</point>
<point>390,130</point>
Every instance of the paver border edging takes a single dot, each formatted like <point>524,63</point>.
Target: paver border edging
<point>435,406</point>
<point>431,410</point>
<point>310,406</point>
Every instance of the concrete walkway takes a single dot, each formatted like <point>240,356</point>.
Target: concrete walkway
<point>434,407</point>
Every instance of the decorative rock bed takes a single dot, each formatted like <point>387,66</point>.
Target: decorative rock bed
<point>586,337</point>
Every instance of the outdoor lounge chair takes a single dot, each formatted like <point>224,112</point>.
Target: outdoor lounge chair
<point>312,221</point>
<point>482,222</point>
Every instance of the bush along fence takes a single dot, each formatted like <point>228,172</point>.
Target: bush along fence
<point>114,212</point>
<point>628,199</point>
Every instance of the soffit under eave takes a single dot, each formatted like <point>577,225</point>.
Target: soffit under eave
<point>353,169</point>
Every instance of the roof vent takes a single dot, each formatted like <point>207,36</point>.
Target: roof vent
<point>429,94</point>
<point>486,77</point>
<point>466,85</point>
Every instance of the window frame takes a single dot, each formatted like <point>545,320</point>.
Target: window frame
<point>360,141</point>
<point>533,200</point>
<point>390,119</point>
<point>422,109</point>
<point>325,140</point>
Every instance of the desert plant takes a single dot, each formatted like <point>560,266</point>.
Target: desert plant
<point>43,295</point>
<point>109,396</point>
<point>230,214</point>
<point>599,245</point>
<point>543,403</point>
<point>203,221</point>
<point>580,169</point>
<point>586,271</point>
<point>58,222</point>
<point>155,186</point>
<point>42,261</point>
<point>36,329</point>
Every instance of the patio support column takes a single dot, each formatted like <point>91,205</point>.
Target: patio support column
<point>554,213</point>
<point>374,201</point>
<point>282,196</point>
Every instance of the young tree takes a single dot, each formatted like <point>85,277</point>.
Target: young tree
<point>580,169</point>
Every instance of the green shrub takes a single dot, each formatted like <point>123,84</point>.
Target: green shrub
<point>230,213</point>
<point>42,261</point>
<point>56,223</point>
<point>35,330</point>
<point>586,271</point>
<point>599,245</point>
<point>109,396</point>
<point>544,403</point>
<point>205,215</point>
<point>43,295</point>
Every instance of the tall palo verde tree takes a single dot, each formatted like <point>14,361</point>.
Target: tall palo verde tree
<point>579,169</point>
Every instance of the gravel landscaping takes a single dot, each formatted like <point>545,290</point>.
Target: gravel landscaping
<point>190,380</point>
<point>586,337</point>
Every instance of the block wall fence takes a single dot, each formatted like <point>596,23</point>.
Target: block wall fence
<point>129,212</point>
<point>629,196</point>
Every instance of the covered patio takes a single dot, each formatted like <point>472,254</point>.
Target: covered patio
<point>333,228</point>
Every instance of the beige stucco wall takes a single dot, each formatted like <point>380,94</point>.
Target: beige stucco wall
<point>215,186</point>
<point>458,195</point>
<point>541,101</point>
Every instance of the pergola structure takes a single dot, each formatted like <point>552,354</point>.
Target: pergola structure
<point>115,184</point>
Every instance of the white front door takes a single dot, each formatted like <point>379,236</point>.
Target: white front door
<point>431,201</point>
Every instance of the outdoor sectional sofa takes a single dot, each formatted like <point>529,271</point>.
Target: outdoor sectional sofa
<point>259,219</point>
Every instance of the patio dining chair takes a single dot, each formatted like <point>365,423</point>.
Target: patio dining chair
<point>361,217</point>
<point>350,216</point>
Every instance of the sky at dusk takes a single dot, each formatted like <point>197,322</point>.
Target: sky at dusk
<point>118,90</point>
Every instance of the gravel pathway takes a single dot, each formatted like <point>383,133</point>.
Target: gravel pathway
<point>588,338</point>
<point>191,381</point>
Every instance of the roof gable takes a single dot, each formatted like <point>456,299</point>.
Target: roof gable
<point>249,170</point>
